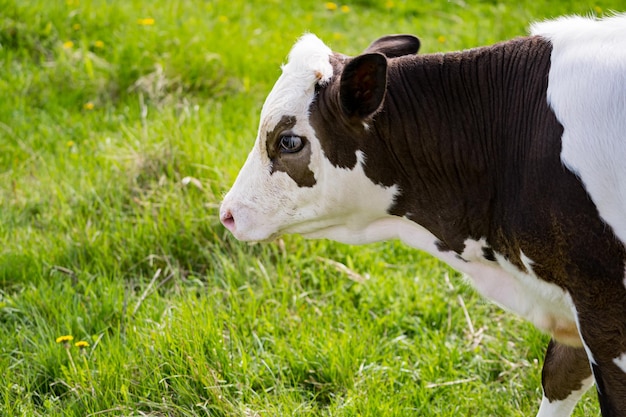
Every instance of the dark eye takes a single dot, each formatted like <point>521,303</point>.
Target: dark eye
<point>290,144</point>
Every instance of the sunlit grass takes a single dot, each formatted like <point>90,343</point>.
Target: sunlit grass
<point>121,126</point>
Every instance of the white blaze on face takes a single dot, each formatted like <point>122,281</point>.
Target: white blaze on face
<point>265,203</point>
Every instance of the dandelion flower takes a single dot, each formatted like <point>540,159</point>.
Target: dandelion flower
<point>64,339</point>
<point>81,344</point>
<point>331,6</point>
<point>598,9</point>
<point>69,144</point>
<point>389,4</point>
<point>68,44</point>
<point>148,21</point>
<point>76,26</point>
<point>98,44</point>
<point>345,9</point>
<point>88,106</point>
<point>441,39</point>
<point>223,19</point>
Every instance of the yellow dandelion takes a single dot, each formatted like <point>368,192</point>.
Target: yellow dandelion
<point>88,106</point>
<point>331,6</point>
<point>337,36</point>
<point>68,44</point>
<point>345,9</point>
<point>98,44</point>
<point>222,19</point>
<point>389,4</point>
<point>598,9</point>
<point>76,26</point>
<point>148,21</point>
<point>69,144</point>
<point>64,339</point>
<point>441,39</point>
<point>81,344</point>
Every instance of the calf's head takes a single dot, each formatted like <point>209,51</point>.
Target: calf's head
<point>307,171</point>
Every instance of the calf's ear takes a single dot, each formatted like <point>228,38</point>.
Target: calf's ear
<point>393,46</point>
<point>363,85</point>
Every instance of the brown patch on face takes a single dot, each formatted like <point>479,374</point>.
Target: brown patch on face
<point>296,164</point>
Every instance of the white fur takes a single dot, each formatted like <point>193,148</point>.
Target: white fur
<point>545,305</point>
<point>592,360</point>
<point>292,94</point>
<point>341,206</point>
<point>587,91</point>
<point>564,408</point>
<point>620,361</point>
<point>342,202</point>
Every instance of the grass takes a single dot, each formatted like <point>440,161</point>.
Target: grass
<point>121,125</point>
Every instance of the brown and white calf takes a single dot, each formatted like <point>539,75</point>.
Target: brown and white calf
<point>507,161</point>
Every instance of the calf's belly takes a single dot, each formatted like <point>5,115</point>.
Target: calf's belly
<point>546,305</point>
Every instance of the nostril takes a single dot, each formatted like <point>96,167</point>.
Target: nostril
<point>227,219</point>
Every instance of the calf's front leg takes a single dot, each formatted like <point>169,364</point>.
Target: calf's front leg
<point>565,377</point>
<point>605,339</point>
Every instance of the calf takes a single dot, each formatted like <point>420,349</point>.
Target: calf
<point>508,162</point>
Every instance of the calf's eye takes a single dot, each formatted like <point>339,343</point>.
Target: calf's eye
<point>290,144</point>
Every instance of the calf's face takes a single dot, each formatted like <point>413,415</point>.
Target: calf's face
<point>305,173</point>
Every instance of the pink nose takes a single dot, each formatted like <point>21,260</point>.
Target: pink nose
<point>227,219</point>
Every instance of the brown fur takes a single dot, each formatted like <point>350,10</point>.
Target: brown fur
<point>473,146</point>
<point>295,165</point>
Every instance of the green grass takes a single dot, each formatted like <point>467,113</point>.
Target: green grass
<point>118,136</point>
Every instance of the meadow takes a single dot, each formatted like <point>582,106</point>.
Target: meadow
<point>121,126</point>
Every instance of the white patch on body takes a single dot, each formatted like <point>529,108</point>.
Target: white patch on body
<point>586,90</point>
<point>620,361</point>
<point>564,408</point>
<point>592,360</point>
<point>473,250</point>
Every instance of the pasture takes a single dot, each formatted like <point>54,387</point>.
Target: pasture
<point>121,126</point>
